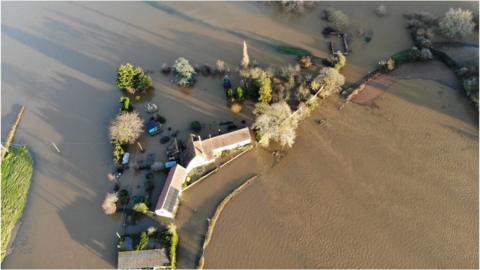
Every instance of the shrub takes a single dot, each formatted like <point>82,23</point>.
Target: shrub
<point>457,23</point>
<point>118,151</point>
<point>339,61</point>
<point>239,94</point>
<point>172,231</point>
<point>144,82</point>
<point>126,105</point>
<point>331,81</point>
<point>245,58</point>
<point>303,93</point>
<point>381,10</point>
<point>387,65</point>
<point>236,107</point>
<point>143,243</point>
<point>305,61</point>
<point>185,74</point>
<point>126,127</point>
<point>265,89</point>
<point>132,79</point>
<point>337,19</point>
<point>275,123</point>
<point>195,126</point>
<point>141,207</point>
<point>110,203</point>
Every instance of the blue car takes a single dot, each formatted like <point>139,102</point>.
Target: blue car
<point>153,128</point>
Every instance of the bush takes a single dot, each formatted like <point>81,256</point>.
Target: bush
<point>236,107</point>
<point>132,79</point>
<point>457,23</point>
<point>275,123</point>
<point>235,96</point>
<point>126,105</point>
<point>303,93</point>
<point>143,243</point>
<point>172,231</point>
<point>331,81</point>
<point>110,203</point>
<point>339,61</point>
<point>141,207</point>
<point>118,151</point>
<point>337,19</point>
<point>126,127</point>
<point>265,89</point>
<point>185,74</point>
<point>195,126</point>
<point>305,61</point>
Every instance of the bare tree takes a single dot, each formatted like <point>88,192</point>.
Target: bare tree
<point>275,123</point>
<point>457,23</point>
<point>126,127</point>
<point>110,203</point>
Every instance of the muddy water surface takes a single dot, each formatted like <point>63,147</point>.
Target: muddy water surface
<point>390,185</point>
<point>59,60</point>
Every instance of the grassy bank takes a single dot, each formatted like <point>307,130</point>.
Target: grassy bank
<point>17,168</point>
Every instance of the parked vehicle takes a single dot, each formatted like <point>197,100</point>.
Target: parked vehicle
<point>153,128</point>
<point>151,107</point>
<point>125,158</point>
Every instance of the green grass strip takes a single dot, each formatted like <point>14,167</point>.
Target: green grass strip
<point>17,168</point>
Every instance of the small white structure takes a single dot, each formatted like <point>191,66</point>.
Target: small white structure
<point>198,152</point>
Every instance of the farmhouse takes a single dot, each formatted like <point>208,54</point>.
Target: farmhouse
<point>198,152</point>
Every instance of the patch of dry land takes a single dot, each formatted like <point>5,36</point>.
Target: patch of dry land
<point>392,185</point>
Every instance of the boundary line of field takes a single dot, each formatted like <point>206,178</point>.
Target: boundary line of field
<point>213,221</point>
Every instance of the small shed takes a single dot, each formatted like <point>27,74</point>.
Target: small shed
<point>143,259</point>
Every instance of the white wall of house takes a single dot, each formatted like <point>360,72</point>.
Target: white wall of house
<point>196,162</point>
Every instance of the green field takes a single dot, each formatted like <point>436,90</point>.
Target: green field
<point>17,168</point>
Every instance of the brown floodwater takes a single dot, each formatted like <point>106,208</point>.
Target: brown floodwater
<point>59,60</point>
<point>394,185</point>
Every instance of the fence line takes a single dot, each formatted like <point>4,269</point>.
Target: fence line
<point>213,221</point>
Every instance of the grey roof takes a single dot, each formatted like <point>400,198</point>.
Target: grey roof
<point>142,259</point>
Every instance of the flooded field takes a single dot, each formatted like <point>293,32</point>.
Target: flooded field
<point>59,60</point>
<point>388,186</point>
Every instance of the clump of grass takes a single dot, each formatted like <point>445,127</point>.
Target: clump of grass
<point>17,169</point>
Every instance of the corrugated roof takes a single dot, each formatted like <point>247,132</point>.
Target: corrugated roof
<point>142,259</point>
<point>175,179</point>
